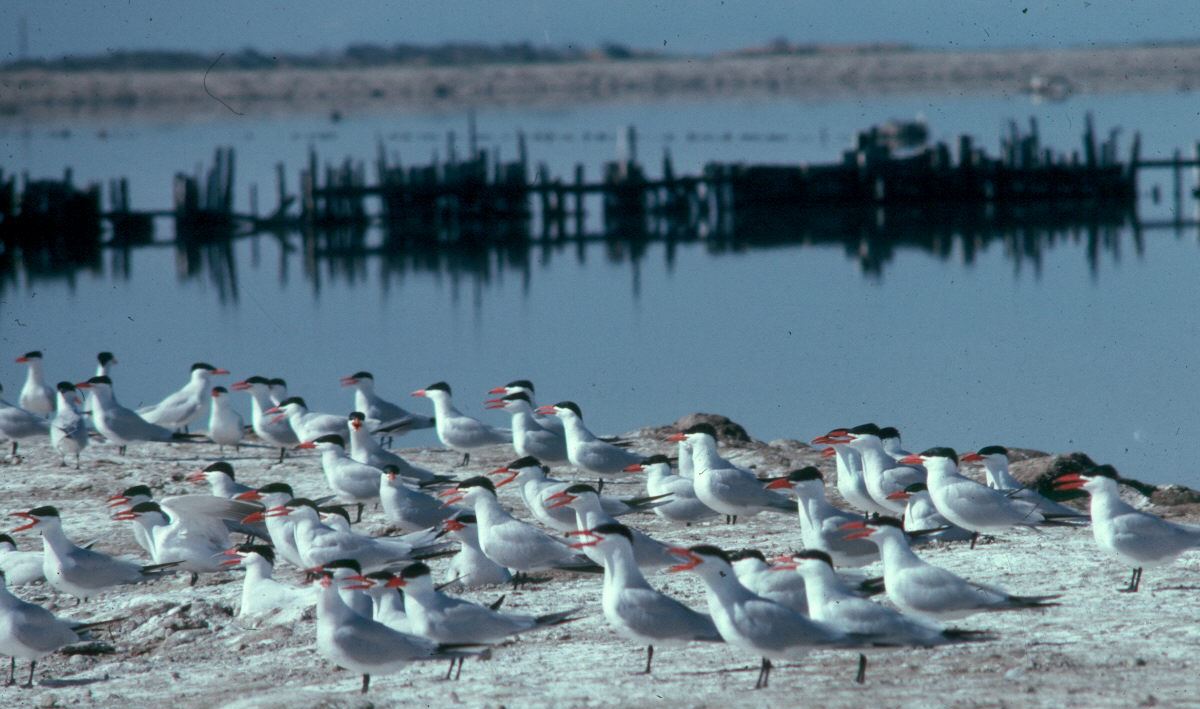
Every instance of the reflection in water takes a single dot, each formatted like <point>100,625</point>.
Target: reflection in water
<point>871,235</point>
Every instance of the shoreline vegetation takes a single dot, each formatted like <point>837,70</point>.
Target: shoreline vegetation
<point>370,78</point>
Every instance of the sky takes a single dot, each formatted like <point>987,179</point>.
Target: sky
<point>702,26</point>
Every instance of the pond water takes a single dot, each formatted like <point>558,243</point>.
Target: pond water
<point>1064,338</point>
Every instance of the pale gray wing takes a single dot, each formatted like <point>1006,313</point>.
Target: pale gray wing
<point>371,643</point>
<point>657,615</point>
<point>37,628</point>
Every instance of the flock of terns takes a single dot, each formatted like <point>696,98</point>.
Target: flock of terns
<point>378,608</point>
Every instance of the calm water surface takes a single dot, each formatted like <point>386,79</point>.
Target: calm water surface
<point>1080,342</point>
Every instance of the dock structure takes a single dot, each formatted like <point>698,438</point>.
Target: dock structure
<point>477,198</point>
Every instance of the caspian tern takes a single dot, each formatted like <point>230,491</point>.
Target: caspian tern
<point>529,437</point>
<point>105,361</point>
<point>262,595</point>
<point>883,474</point>
<point>355,597</point>
<point>119,424</point>
<point>388,599</point>
<point>510,542</point>
<point>470,567</point>
<point>276,433</point>
<point>1138,538</point>
<point>757,575</point>
<point>277,389</point>
<point>585,450</point>
<point>187,404</point>
<point>307,425</point>
<point>383,414</point>
<point>831,601</point>
<point>749,622</point>
<point>189,530</point>
<point>723,486</point>
<point>972,505</point>
<point>533,480</point>
<point>221,480</point>
<point>821,522</point>
<point>921,588</point>
<point>681,505</point>
<point>851,478</point>
<point>225,426</point>
<point>995,466</point>
<point>455,429</point>
<point>921,515</point>
<point>318,544</point>
<point>635,609</point>
<point>889,436</point>
<point>365,646</point>
<point>17,423</point>
<point>406,508</point>
<point>454,621</point>
<point>19,567</point>
<point>129,497</point>
<point>524,386</point>
<point>36,396</point>
<point>281,528</point>
<point>30,632</point>
<point>365,449</point>
<point>350,480</point>
<point>82,572</point>
<point>583,498</point>
<point>68,427</point>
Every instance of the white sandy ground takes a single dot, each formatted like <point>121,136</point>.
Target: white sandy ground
<point>182,647</point>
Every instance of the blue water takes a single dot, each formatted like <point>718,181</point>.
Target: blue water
<point>1069,351</point>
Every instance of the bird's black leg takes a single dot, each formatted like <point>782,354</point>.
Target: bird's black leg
<point>649,658</point>
<point>14,451</point>
<point>32,664</point>
<point>465,459</point>
<point>366,684</point>
<point>862,669</point>
<point>458,674</point>
<point>450,669</point>
<point>12,672</point>
<point>281,452</point>
<point>974,538</point>
<point>120,451</point>
<point>194,579</point>
<point>1134,581</point>
<point>360,511</point>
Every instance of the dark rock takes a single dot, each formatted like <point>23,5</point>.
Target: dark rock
<point>727,430</point>
<point>1170,495</point>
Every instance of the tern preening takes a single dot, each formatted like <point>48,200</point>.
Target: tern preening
<point>221,480</point>
<point>883,474</point>
<point>455,429</point>
<point>755,573</point>
<point>36,396</point>
<point>589,513</point>
<point>723,486</point>
<point>187,404</point>
<point>635,609</point>
<point>470,567</point>
<point>19,567</point>
<point>851,478</point>
<point>68,428</point>
<point>1138,538</point>
<point>383,414</point>
<point>262,595</point>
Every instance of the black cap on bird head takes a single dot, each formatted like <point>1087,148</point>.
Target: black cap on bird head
<point>570,406</point>
<point>220,467</point>
<point>438,386</point>
<point>993,450</point>
<point>805,474</point>
<point>578,488</point>
<point>44,511</point>
<point>610,528</point>
<point>262,550</point>
<point>710,550</point>
<point>656,460</point>
<point>335,510</point>
<point>940,452</point>
<point>203,365</point>
<point>889,432</point>
<point>747,554</point>
<point>705,428</point>
<point>412,571</point>
<point>1102,471</point>
<point>105,357</point>
<point>866,429</point>
<point>5,539</point>
<point>916,487</point>
<point>526,462</point>
<point>361,375</point>
<point>466,518</point>
<point>357,416</point>
<point>523,383</point>
<point>477,481</point>
<point>517,396</point>
<point>137,491</point>
<point>882,521</point>
<point>65,387</point>
<point>813,554</point>
<point>148,506</point>
<point>333,438</point>
<point>102,379</point>
<point>256,379</point>
<point>293,400</point>
<point>276,487</point>
<point>296,502</point>
<point>277,382</point>
<point>35,354</point>
<point>220,390</point>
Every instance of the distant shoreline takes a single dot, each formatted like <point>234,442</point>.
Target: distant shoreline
<point>33,94</point>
